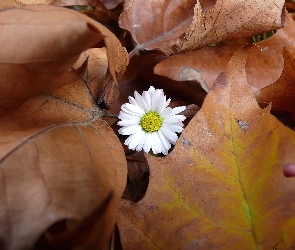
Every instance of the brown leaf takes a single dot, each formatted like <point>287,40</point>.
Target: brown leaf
<point>281,94</point>
<point>45,63</point>
<point>173,28</point>
<point>111,4</point>
<point>222,187</point>
<point>77,2</point>
<point>34,64</point>
<point>228,20</point>
<point>87,234</point>
<point>24,2</point>
<point>58,161</point>
<point>264,62</point>
<point>203,65</point>
<point>156,24</point>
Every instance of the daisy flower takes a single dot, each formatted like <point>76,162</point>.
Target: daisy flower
<point>149,122</point>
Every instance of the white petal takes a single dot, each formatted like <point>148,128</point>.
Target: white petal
<point>171,120</point>
<point>141,143</point>
<point>157,145</point>
<point>132,109</point>
<point>133,140</point>
<point>132,101</point>
<point>147,97</point>
<point>148,143</point>
<point>180,117</point>
<point>166,112</point>
<point>125,116</point>
<point>151,89</point>
<point>174,127</point>
<point>129,130</point>
<point>168,102</point>
<point>157,98</point>
<point>164,141</point>
<point>171,136</point>
<point>141,102</point>
<point>128,123</point>
<point>177,110</point>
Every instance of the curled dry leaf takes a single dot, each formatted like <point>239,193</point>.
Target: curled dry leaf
<point>41,44</point>
<point>264,62</point>
<point>205,64</point>
<point>228,20</point>
<point>111,4</point>
<point>177,26</point>
<point>156,24</point>
<point>222,187</point>
<point>44,65</point>
<point>77,2</point>
<point>281,94</point>
<point>58,161</point>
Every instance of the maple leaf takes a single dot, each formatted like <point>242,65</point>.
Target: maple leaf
<point>222,186</point>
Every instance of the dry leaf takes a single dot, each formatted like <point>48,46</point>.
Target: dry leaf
<point>44,65</point>
<point>281,93</point>
<point>172,28</point>
<point>203,65</point>
<point>111,4</point>
<point>222,187</point>
<point>228,20</point>
<point>264,62</point>
<point>156,24</point>
<point>41,44</point>
<point>58,161</point>
<point>96,3</point>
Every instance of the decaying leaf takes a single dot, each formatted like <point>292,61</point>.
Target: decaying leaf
<point>264,62</point>
<point>42,44</point>
<point>206,64</point>
<point>156,24</point>
<point>222,187</point>
<point>177,26</point>
<point>281,93</point>
<point>228,20</point>
<point>58,161</point>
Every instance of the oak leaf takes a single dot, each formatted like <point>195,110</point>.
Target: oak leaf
<point>177,26</point>
<point>59,161</point>
<point>222,186</point>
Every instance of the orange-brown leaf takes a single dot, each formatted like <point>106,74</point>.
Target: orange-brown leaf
<point>281,94</point>
<point>58,161</point>
<point>222,187</point>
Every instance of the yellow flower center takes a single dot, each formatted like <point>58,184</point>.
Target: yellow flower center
<point>151,122</point>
